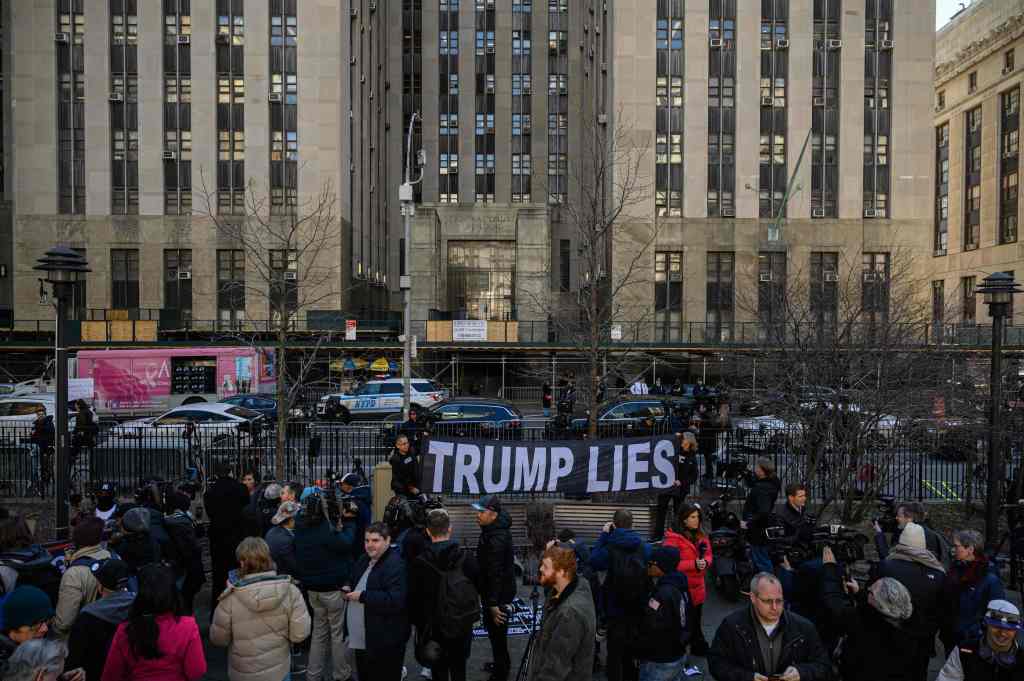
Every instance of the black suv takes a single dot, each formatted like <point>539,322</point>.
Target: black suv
<point>470,417</point>
<point>632,415</point>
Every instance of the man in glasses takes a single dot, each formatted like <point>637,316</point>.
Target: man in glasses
<point>26,614</point>
<point>996,655</point>
<point>764,642</point>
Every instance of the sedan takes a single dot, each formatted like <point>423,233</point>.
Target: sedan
<point>206,425</point>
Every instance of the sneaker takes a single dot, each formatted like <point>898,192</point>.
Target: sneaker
<point>426,673</point>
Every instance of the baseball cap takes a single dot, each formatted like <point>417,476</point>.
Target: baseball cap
<point>488,503</point>
<point>1002,614</point>
<point>113,574</point>
<point>287,509</point>
<point>136,520</point>
<point>352,479</point>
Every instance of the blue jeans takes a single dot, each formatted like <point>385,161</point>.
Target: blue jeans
<point>663,671</point>
<point>761,559</point>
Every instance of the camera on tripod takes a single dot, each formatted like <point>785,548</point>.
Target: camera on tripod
<point>847,544</point>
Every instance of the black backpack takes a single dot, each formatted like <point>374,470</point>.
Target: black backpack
<point>457,607</point>
<point>35,568</point>
<point>627,577</point>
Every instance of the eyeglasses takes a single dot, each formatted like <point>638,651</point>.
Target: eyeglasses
<point>772,601</point>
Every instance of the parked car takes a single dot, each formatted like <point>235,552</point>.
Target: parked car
<point>469,417</point>
<point>266,405</point>
<point>630,415</point>
<point>378,398</point>
<point>210,425</point>
<point>21,411</point>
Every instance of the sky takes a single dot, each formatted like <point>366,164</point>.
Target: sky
<point>944,9</point>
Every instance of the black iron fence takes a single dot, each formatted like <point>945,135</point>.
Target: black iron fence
<point>948,466</point>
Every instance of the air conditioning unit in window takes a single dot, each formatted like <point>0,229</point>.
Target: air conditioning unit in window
<point>833,44</point>
<point>355,12</point>
<point>184,275</point>
<point>728,212</point>
<point>362,78</point>
<point>831,277</point>
<point>870,212</point>
<point>352,60</point>
<point>602,119</point>
<point>766,101</point>
<point>766,277</point>
<point>869,277</point>
<point>716,43</point>
<point>223,38</point>
<point>274,97</point>
<point>373,7</point>
<point>782,44</point>
<point>116,97</point>
<point>61,37</point>
<point>1007,69</point>
<point>819,101</point>
<point>184,39</point>
<point>939,107</point>
<point>169,155</point>
<point>887,44</point>
<point>291,276</point>
<point>604,67</point>
<point>818,213</point>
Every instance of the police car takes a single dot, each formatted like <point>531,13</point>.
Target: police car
<point>377,398</point>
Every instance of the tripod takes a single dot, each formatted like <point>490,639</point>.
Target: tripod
<point>524,663</point>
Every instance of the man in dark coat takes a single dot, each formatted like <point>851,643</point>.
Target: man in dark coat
<point>912,512</point>
<point>415,429</point>
<point>687,471</point>
<point>793,513</point>
<point>497,586</point>
<point>564,648</point>
<point>664,628</point>
<point>94,628</point>
<point>377,623</point>
<point>758,509</point>
<point>405,469</point>
<point>281,538</point>
<point>764,640</point>
<point>182,531</point>
<point>224,502</point>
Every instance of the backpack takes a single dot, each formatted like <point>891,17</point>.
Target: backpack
<point>627,578</point>
<point>35,568</point>
<point>457,607</point>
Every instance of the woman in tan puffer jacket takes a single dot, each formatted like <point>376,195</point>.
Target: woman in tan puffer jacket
<point>258,617</point>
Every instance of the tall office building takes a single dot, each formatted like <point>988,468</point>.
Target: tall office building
<point>119,112</point>
<point>976,139</point>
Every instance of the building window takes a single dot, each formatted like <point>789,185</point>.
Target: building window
<point>825,108</point>
<point>230,107</point>
<point>875,287</point>
<point>969,302</point>
<point>877,113</point>
<point>284,104</point>
<point>720,286</point>
<point>178,283</point>
<point>771,293</point>
<point>177,150</point>
<point>938,301</point>
<point>284,285</point>
<point>485,70</point>
<point>230,287</point>
<point>722,110</point>
<point>972,180</point>
<point>1008,165</point>
<point>824,289</point>
<point>448,103</point>
<point>772,176</point>
<point>940,100</point>
<point>124,279</point>
<point>70,107</point>
<point>941,189</point>
<point>972,82</point>
<point>1009,58</point>
<point>522,100</point>
<point>124,108</point>
<point>669,113</point>
<point>668,294</point>
<point>558,102</point>
<point>481,279</point>
<point>564,264</point>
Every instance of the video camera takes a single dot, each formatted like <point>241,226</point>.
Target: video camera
<point>338,505</point>
<point>887,518</point>
<point>847,544</point>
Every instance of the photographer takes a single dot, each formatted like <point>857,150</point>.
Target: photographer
<point>879,643</point>
<point>497,586</point>
<point>911,512</point>
<point>764,642</point>
<point>758,512</point>
<point>324,556</point>
<point>686,472</point>
<point>405,469</point>
<point>354,488</point>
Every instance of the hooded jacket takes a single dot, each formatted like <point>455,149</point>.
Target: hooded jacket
<point>496,558</point>
<point>759,505</point>
<point>281,541</point>
<point>688,554</point>
<point>965,597</point>
<point>94,630</point>
<point>564,649</point>
<point>324,556</point>
<point>600,560</point>
<point>78,588</point>
<point>258,618</point>
<point>665,630</point>
<point>923,576</point>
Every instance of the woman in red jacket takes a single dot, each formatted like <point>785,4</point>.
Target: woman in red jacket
<point>694,561</point>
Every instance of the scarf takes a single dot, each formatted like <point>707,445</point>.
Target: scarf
<point>911,554</point>
<point>965,575</point>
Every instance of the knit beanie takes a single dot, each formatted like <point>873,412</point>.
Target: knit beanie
<point>913,536</point>
<point>666,558</point>
<point>26,605</point>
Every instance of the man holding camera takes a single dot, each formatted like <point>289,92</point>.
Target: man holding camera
<point>764,642</point>
<point>758,512</point>
<point>911,512</point>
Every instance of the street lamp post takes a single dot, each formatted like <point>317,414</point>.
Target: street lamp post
<point>63,269</point>
<point>998,290</point>
<point>405,198</point>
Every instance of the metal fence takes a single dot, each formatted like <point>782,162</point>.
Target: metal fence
<point>948,466</point>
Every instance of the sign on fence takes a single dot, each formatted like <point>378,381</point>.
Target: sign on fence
<point>569,467</point>
<point>469,330</point>
<point>520,622</point>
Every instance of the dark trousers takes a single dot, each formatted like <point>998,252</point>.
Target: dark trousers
<point>380,666</point>
<point>452,665</point>
<point>222,561</point>
<point>498,635</point>
<point>675,496</point>
<point>620,664</point>
<point>697,640</point>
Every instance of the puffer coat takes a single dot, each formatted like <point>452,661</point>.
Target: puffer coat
<point>257,618</point>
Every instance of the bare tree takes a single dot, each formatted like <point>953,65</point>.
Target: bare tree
<point>607,181</point>
<point>292,266</point>
<point>848,351</point>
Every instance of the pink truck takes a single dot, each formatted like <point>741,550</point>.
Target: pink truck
<point>129,381</point>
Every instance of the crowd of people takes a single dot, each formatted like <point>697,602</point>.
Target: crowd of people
<point>296,566</point>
